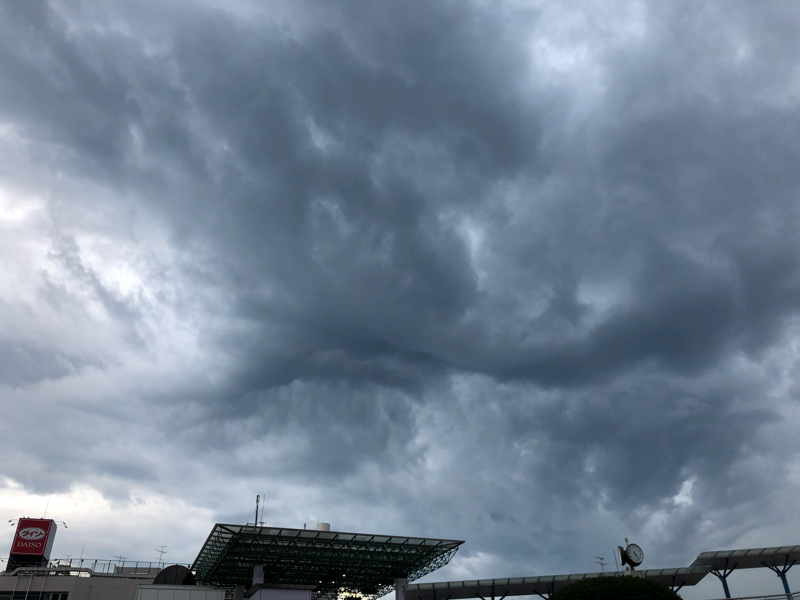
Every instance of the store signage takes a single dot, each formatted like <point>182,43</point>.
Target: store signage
<point>34,537</point>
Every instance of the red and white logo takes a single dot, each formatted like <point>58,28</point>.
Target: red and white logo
<point>34,537</point>
<point>32,533</point>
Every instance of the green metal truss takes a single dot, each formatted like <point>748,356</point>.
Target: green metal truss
<point>339,564</point>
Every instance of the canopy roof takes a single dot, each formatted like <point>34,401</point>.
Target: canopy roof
<point>337,563</point>
<point>529,586</point>
<point>751,558</point>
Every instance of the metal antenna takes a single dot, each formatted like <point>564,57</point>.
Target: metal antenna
<point>46,506</point>
<point>601,563</point>
<point>258,498</point>
<point>161,553</point>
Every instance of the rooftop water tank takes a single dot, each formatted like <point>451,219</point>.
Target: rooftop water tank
<point>323,526</point>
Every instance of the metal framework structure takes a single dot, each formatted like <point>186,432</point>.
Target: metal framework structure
<point>543,585</point>
<point>723,562</point>
<point>720,563</point>
<point>339,564</point>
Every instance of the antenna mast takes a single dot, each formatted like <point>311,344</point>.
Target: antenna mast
<point>161,553</point>
<point>258,499</point>
<point>601,563</point>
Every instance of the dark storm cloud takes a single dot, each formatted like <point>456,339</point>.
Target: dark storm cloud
<point>403,237</point>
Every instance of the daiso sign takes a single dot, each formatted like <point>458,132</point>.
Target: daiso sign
<point>34,537</point>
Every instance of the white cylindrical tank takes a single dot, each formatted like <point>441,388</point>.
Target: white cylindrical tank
<point>323,526</point>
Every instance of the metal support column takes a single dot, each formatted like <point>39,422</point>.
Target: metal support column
<point>482,598</point>
<point>723,576</point>
<point>550,593</point>
<point>781,572</point>
<point>399,592</point>
<point>493,596</point>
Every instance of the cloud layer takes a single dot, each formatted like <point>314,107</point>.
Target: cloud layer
<point>520,274</point>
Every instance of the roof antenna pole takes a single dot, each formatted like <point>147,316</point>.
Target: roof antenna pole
<point>258,498</point>
<point>601,563</point>
<point>161,553</point>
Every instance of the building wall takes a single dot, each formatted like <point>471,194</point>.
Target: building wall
<point>79,588</point>
<point>178,592</point>
<point>281,594</point>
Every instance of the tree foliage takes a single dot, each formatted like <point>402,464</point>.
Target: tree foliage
<point>615,588</point>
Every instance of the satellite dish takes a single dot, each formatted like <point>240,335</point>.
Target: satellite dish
<point>175,575</point>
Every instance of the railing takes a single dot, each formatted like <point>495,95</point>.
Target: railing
<point>106,567</point>
<point>126,567</point>
<point>784,596</point>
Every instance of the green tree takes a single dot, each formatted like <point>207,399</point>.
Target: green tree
<point>615,588</point>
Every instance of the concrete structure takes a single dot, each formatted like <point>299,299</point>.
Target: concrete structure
<point>178,592</point>
<point>268,591</point>
<point>399,588</point>
<point>63,584</point>
<point>83,583</point>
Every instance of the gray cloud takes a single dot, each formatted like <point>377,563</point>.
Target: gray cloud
<point>523,276</point>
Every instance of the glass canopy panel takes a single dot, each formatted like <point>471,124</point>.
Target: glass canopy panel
<point>339,564</point>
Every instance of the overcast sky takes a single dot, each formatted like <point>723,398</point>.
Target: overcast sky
<point>524,274</point>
